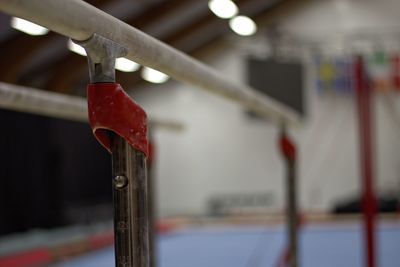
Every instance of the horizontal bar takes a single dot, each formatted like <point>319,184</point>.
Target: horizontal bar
<point>79,20</point>
<point>56,105</point>
<point>29,100</point>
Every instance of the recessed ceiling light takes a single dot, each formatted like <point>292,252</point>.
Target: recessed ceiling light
<point>28,27</point>
<point>76,48</point>
<point>126,65</point>
<point>243,25</point>
<point>224,9</point>
<point>154,76</point>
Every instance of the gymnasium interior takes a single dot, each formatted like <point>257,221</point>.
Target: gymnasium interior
<point>240,133</point>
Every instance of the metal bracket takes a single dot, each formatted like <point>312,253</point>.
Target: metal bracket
<point>101,54</point>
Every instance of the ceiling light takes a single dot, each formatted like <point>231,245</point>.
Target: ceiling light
<point>154,76</point>
<point>28,27</point>
<point>126,65</point>
<point>76,48</point>
<point>243,25</point>
<point>224,9</point>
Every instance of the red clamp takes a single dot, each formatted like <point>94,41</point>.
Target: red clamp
<point>111,109</point>
<point>288,148</point>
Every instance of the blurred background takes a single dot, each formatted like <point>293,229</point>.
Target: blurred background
<point>220,174</point>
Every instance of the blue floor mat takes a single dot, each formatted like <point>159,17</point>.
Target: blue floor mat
<point>329,245</point>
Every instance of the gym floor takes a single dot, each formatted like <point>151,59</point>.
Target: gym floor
<point>321,244</point>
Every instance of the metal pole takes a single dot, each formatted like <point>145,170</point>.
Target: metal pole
<point>292,218</point>
<point>363,103</point>
<point>288,151</point>
<point>131,222</point>
<point>151,200</point>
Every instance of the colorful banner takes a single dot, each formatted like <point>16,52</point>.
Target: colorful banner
<point>334,73</point>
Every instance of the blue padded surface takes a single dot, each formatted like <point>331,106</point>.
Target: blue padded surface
<point>329,245</point>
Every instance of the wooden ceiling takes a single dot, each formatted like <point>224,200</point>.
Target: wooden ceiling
<point>188,25</point>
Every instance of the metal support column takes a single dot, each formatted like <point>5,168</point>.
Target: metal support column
<point>152,200</point>
<point>288,151</point>
<point>363,103</point>
<point>131,222</point>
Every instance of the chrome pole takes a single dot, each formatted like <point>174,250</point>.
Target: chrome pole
<point>288,151</point>
<point>131,221</point>
<point>292,218</point>
<point>151,202</point>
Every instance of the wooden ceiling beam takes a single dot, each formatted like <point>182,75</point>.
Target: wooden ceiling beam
<point>16,52</point>
<point>281,10</point>
<point>156,12</point>
<point>21,48</point>
<point>272,11</point>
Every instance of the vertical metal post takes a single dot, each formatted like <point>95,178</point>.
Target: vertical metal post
<point>131,225</point>
<point>131,222</point>
<point>363,103</point>
<point>289,154</point>
<point>292,219</point>
<point>151,200</point>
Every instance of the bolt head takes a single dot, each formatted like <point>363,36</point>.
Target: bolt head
<point>120,181</point>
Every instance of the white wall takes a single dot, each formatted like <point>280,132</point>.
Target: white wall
<point>221,150</point>
<point>218,151</point>
<point>333,18</point>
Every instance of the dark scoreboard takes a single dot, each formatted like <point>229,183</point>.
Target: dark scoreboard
<point>280,80</point>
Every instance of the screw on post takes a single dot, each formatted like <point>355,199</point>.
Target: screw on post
<point>120,125</point>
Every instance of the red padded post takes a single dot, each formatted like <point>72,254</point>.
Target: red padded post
<point>111,109</point>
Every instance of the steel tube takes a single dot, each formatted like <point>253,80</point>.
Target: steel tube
<point>131,222</point>
<point>79,20</point>
<point>151,192</point>
<point>365,121</point>
<point>152,216</point>
<point>292,214</point>
<point>289,153</point>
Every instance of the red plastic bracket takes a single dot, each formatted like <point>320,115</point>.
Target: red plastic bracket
<point>288,148</point>
<point>111,109</point>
